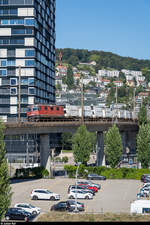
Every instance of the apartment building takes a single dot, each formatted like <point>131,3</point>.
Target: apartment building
<point>108,73</point>
<point>27,55</point>
<point>131,72</point>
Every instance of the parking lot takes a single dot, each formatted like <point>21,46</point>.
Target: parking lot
<point>114,196</point>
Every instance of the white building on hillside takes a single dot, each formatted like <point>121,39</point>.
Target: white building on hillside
<point>108,73</point>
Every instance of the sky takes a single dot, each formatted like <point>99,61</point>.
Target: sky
<point>118,26</point>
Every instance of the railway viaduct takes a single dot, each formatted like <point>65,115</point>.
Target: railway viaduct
<point>128,131</point>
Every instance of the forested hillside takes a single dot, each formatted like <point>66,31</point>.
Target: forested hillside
<point>103,59</point>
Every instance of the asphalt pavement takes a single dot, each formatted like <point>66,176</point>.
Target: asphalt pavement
<point>114,196</point>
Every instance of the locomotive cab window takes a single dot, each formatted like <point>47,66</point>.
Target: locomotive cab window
<point>46,108</point>
<point>35,108</point>
<point>52,108</point>
<point>57,108</point>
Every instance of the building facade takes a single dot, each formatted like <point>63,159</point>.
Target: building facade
<point>27,55</point>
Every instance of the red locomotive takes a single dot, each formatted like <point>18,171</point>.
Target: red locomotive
<point>44,112</point>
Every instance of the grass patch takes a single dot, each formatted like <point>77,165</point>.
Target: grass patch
<point>91,217</point>
<point>67,151</point>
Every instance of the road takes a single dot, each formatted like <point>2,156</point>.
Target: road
<point>114,196</point>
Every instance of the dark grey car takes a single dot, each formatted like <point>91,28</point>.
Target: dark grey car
<point>94,176</point>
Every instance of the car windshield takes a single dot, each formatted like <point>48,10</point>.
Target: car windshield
<point>49,192</point>
<point>31,206</point>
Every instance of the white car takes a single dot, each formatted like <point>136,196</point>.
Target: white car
<point>79,194</point>
<point>28,207</point>
<point>44,194</point>
<point>146,185</point>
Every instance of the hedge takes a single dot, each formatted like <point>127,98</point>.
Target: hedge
<point>36,172</point>
<point>110,173</point>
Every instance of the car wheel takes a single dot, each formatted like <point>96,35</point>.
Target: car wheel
<point>34,212</point>
<point>7,218</point>
<point>87,197</point>
<point>71,197</point>
<point>52,198</point>
<point>35,197</point>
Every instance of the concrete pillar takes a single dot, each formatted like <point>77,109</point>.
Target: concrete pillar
<point>45,152</point>
<point>124,141</point>
<point>100,149</point>
<point>131,141</point>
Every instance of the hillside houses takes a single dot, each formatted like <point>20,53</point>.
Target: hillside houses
<point>96,86</point>
<point>108,73</point>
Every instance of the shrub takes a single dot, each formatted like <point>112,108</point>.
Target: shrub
<point>71,170</point>
<point>125,171</point>
<point>58,159</point>
<point>65,159</point>
<point>45,173</point>
<point>81,172</point>
<point>37,171</point>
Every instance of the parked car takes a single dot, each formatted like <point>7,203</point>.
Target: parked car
<point>68,205</point>
<point>145,191</point>
<point>146,185</point>
<point>94,184</point>
<point>44,194</point>
<point>61,206</point>
<point>18,214</point>
<point>94,176</point>
<point>80,194</point>
<point>145,178</point>
<point>80,187</point>
<point>89,183</point>
<point>88,186</point>
<point>28,207</point>
<point>80,206</point>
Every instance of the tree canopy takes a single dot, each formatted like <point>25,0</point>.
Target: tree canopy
<point>143,145</point>
<point>70,78</point>
<point>142,115</point>
<point>5,189</point>
<point>113,146</point>
<point>82,145</point>
<point>104,59</point>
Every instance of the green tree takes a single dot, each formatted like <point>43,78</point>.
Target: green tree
<point>122,77</point>
<point>142,115</point>
<point>93,140</point>
<point>67,141</point>
<point>5,189</point>
<point>70,78</point>
<point>58,86</point>
<point>146,74</point>
<point>143,145</point>
<point>82,145</point>
<point>73,60</point>
<point>94,57</point>
<point>113,146</point>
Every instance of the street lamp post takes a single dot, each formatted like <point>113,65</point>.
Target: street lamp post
<point>76,209</point>
<point>127,152</point>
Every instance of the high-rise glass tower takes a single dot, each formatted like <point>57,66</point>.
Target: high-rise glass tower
<point>27,55</point>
